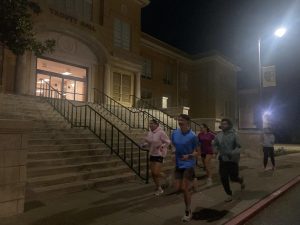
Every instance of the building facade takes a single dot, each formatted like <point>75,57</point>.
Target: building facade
<point>99,45</point>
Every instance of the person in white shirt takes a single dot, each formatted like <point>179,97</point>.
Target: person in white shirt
<point>268,147</point>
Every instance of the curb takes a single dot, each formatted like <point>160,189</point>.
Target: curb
<point>244,216</point>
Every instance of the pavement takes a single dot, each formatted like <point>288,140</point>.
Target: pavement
<point>282,209</point>
<point>133,203</point>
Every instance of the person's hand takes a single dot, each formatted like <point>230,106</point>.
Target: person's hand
<point>185,157</point>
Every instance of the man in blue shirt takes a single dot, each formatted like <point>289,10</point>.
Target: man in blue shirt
<point>186,144</point>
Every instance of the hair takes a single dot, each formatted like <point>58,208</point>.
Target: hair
<point>154,121</point>
<point>205,126</point>
<point>185,117</point>
<point>228,121</point>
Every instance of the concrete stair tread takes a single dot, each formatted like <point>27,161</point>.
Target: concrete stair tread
<point>87,183</point>
<point>63,159</point>
<point>71,165</point>
<point>64,138</point>
<point>75,174</point>
<point>62,145</point>
<point>67,151</point>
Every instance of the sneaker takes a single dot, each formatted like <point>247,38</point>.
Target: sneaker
<point>229,198</point>
<point>243,186</point>
<point>159,192</point>
<point>209,182</point>
<point>187,217</point>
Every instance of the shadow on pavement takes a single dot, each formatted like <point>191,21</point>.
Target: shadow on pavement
<point>210,215</point>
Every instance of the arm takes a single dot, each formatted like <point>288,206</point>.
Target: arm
<point>216,145</point>
<point>237,149</point>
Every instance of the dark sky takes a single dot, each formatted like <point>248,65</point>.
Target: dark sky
<point>232,27</point>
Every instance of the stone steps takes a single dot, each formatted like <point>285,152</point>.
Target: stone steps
<point>50,180</point>
<point>62,159</point>
<point>60,189</point>
<point>64,141</point>
<point>72,153</point>
<point>96,145</point>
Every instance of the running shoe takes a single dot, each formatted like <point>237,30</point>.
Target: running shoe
<point>229,198</point>
<point>209,182</point>
<point>187,216</point>
<point>159,192</point>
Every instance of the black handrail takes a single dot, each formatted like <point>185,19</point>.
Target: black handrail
<point>87,117</point>
<point>128,116</point>
<point>146,106</point>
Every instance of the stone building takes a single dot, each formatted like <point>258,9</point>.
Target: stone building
<point>99,45</point>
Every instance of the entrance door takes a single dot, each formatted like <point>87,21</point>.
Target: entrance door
<point>122,88</point>
<point>68,80</point>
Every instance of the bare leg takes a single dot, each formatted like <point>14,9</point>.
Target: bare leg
<point>207,162</point>
<point>155,170</point>
<point>186,188</point>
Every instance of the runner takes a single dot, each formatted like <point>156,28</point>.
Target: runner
<point>186,151</point>
<point>227,145</point>
<point>205,138</point>
<point>268,148</point>
<point>158,143</point>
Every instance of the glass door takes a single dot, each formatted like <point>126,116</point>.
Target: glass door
<point>68,80</point>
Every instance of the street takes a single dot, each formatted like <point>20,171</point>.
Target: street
<point>284,211</point>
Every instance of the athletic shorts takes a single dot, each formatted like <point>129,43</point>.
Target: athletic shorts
<point>184,173</point>
<point>159,159</point>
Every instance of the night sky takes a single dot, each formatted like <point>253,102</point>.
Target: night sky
<point>232,27</point>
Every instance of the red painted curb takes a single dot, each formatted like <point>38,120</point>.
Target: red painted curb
<point>256,207</point>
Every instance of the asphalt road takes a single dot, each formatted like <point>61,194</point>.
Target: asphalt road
<point>284,211</point>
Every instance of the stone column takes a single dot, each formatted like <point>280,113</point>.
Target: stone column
<point>107,79</point>
<point>20,76</point>
<point>13,154</point>
<point>138,85</point>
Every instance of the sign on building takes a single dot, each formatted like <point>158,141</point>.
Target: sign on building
<point>269,76</point>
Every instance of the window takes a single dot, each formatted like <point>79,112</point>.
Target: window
<point>81,9</point>
<point>122,34</point>
<point>147,69</point>
<point>168,75</point>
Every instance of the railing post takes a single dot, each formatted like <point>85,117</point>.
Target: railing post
<point>85,113</point>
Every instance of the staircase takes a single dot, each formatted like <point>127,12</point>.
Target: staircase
<point>61,159</point>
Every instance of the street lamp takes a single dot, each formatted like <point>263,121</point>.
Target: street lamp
<point>280,32</point>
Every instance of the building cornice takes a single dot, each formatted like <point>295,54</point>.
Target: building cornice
<point>166,49</point>
<point>143,3</point>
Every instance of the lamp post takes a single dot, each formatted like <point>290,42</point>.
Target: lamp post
<point>280,32</point>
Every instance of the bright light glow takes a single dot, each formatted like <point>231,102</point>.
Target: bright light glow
<point>39,91</point>
<point>280,32</point>
<point>47,80</point>
<point>66,73</point>
<point>267,113</point>
<point>72,84</point>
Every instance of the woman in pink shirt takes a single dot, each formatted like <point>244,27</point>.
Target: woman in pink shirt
<point>158,143</point>
<point>205,138</point>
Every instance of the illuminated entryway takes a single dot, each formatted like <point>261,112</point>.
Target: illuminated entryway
<point>70,80</point>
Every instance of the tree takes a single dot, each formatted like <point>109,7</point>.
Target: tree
<point>16,27</point>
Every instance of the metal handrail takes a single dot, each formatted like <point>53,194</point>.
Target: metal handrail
<point>115,139</point>
<point>125,114</point>
<point>128,116</point>
<point>141,103</point>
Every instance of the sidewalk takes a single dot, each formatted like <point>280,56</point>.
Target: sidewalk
<point>134,203</point>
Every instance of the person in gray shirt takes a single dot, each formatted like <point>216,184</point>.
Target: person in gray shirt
<point>268,147</point>
<point>227,145</point>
